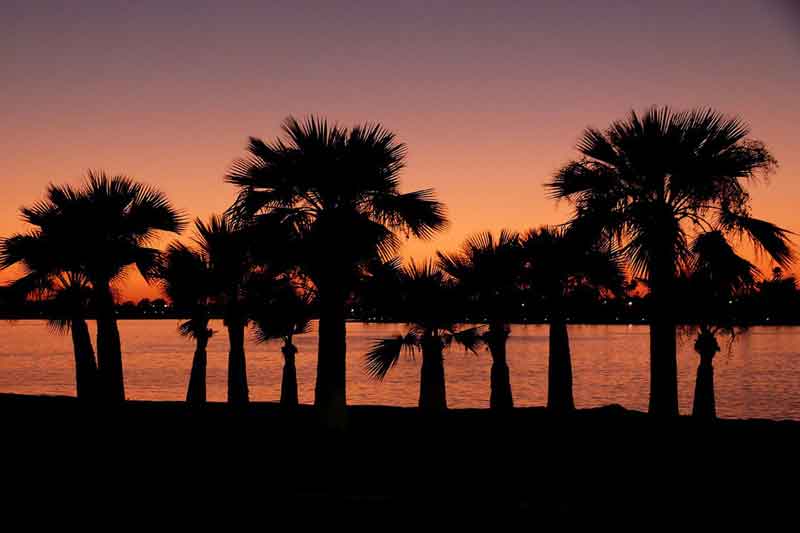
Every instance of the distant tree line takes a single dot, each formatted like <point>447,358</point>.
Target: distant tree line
<point>772,301</point>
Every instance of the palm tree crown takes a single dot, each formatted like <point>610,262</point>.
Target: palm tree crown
<point>662,175</point>
<point>338,186</point>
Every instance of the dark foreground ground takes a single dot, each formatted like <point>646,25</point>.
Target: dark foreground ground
<point>162,464</point>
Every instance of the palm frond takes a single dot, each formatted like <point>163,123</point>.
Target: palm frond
<point>766,237</point>
<point>385,353</point>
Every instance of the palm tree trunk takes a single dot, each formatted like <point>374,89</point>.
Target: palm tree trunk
<point>85,364</point>
<point>500,397</point>
<point>289,380</point>
<point>704,403</point>
<point>196,393</point>
<point>663,349</point>
<point>559,367</point>
<point>432,391</point>
<point>330,390</point>
<point>109,350</point>
<point>238,393</point>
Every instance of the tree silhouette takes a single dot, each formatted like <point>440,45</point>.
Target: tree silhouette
<point>282,309</point>
<point>338,190</point>
<point>50,273</point>
<point>487,270</point>
<point>225,250</point>
<point>713,277</point>
<point>106,225</point>
<point>654,180</point>
<point>428,307</point>
<point>186,276</point>
<point>557,262</point>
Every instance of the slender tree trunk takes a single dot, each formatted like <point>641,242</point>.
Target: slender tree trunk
<point>432,389</point>
<point>704,404</point>
<point>238,393</point>
<point>109,350</point>
<point>85,365</point>
<point>196,393</point>
<point>559,367</point>
<point>500,397</point>
<point>289,380</point>
<point>663,349</point>
<point>330,391</point>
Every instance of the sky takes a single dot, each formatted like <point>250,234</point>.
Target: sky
<point>490,97</point>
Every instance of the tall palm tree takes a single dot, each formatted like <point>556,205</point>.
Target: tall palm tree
<point>338,189</point>
<point>654,180</point>
<point>557,262</point>
<point>225,251</point>
<point>186,277</point>
<point>106,225</point>
<point>428,307</point>
<point>50,274</point>
<point>487,269</point>
<point>282,311</point>
<point>713,277</point>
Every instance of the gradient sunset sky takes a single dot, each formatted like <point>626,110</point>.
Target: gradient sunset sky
<point>489,96</point>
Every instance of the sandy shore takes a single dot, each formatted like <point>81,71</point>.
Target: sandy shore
<point>158,457</point>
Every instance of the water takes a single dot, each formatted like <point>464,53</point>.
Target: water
<point>758,378</point>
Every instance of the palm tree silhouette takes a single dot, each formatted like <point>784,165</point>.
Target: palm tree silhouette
<point>487,270</point>
<point>225,252</point>
<point>338,189</point>
<point>186,277</point>
<point>712,279</point>
<point>282,309</point>
<point>651,181</point>
<point>558,261</point>
<point>428,305</point>
<point>52,274</point>
<point>106,225</point>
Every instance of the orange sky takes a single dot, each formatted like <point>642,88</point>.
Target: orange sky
<point>490,100</point>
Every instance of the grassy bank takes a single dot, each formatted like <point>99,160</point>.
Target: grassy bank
<point>148,457</point>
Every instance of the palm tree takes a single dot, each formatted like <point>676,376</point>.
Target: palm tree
<point>428,307</point>
<point>487,269</point>
<point>225,252</point>
<point>107,225</point>
<point>283,310</point>
<point>713,278</point>
<point>50,275</point>
<point>654,180</point>
<point>559,261</point>
<point>338,189</point>
<point>186,277</point>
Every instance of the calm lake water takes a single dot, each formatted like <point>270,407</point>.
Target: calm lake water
<point>758,378</point>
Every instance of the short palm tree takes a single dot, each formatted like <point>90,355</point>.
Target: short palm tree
<point>653,181</point>
<point>338,189</point>
<point>487,270</point>
<point>185,275</point>
<point>714,276</point>
<point>558,261</point>
<point>428,307</point>
<point>281,311</point>
<point>225,252</point>
<point>50,275</point>
<point>107,225</point>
